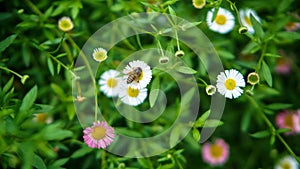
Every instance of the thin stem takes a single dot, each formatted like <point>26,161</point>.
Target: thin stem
<point>34,8</point>
<point>261,58</point>
<point>272,128</point>
<point>177,41</point>
<point>62,64</point>
<point>234,8</point>
<point>11,71</point>
<point>60,43</point>
<point>90,72</point>
<point>202,81</point>
<point>159,46</point>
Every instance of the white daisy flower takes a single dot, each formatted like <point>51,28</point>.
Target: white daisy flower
<point>99,54</point>
<point>110,83</point>
<point>229,83</point>
<point>223,23</point>
<point>65,24</point>
<point>245,18</point>
<point>132,96</point>
<point>137,74</point>
<point>287,162</point>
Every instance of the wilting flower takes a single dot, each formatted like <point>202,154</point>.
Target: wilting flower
<point>223,23</point>
<point>229,83</point>
<point>292,26</point>
<point>283,66</point>
<point>132,96</point>
<point>245,18</point>
<point>43,118</point>
<point>137,74</point>
<point>65,24</point>
<point>163,60</point>
<point>210,90</point>
<point>215,153</point>
<point>199,4</point>
<point>253,78</point>
<point>289,120</point>
<point>100,135</point>
<point>287,162</point>
<point>99,54</point>
<point>110,83</point>
<point>179,53</point>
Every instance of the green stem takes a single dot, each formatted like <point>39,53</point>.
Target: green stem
<point>11,71</point>
<point>177,41</point>
<point>202,81</point>
<point>159,46</point>
<point>272,128</point>
<point>234,8</point>
<point>62,64</point>
<point>34,8</point>
<point>261,58</point>
<point>90,72</point>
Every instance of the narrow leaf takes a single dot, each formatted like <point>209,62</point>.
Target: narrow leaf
<point>261,134</point>
<point>186,70</point>
<point>196,135</point>
<point>267,73</point>
<point>257,27</point>
<point>29,99</point>
<point>38,162</point>
<point>7,42</point>
<point>279,106</point>
<point>50,66</point>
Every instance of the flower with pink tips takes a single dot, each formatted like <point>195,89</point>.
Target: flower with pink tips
<point>289,120</point>
<point>100,135</point>
<point>216,153</point>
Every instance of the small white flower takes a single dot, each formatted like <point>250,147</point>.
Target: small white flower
<point>223,23</point>
<point>229,83</point>
<point>287,162</point>
<point>110,83</point>
<point>132,96</point>
<point>65,24</point>
<point>137,81</point>
<point>245,18</point>
<point>99,54</point>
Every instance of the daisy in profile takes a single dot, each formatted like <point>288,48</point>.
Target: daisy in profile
<point>132,96</point>
<point>245,18</point>
<point>229,83</point>
<point>65,24</point>
<point>137,74</point>
<point>215,153</point>
<point>287,162</point>
<point>110,83</point>
<point>100,135</point>
<point>289,120</point>
<point>210,90</point>
<point>223,23</point>
<point>99,54</point>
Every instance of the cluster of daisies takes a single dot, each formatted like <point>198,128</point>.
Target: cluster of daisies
<point>289,120</point>
<point>216,153</point>
<point>130,86</point>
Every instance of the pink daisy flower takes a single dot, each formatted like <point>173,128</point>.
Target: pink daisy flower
<point>283,66</point>
<point>215,153</point>
<point>289,120</point>
<point>100,135</point>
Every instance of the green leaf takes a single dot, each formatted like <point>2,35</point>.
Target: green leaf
<point>38,162</point>
<point>175,135</point>
<point>225,54</point>
<point>54,132</point>
<point>173,14</point>
<point>283,130</point>
<point>29,99</point>
<point>186,70</point>
<point>289,35</point>
<point>154,91</point>
<point>81,152</point>
<point>266,73</point>
<point>58,90</point>
<point>279,106</point>
<point>188,25</point>
<point>196,134</point>
<point>257,27</point>
<point>272,55</point>
<point>213,123</point>
<point>201,120</point>
<point>61,162</point>
<point>7,42</point>
<point>8,85</point>
<point>261,134</point>
<point>284,5</point>
<point>26,53</point>
<point>272,139</point>
<point>50,66</point>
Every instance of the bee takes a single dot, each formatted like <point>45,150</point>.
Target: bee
<point>134,75</point>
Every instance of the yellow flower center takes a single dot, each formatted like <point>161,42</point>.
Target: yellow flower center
<point>112,82</point>
<point>199,3</point>
<point>41,117</point>
<point>288,120</point>
<point>133,92</point>
<point>98,133</point>
<point>65,24</point>
<point>220,19</point>
<point>216,150</point>
<point>286,165</point>
<point>100,56</point>
<point>247,20</point>
<point>230,84</point>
